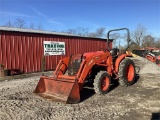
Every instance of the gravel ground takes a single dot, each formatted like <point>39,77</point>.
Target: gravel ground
<point>138,102</point>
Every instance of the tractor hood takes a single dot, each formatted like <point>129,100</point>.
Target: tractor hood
<point>86,55</point>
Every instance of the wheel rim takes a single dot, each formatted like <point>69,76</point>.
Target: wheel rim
<point>105,83</point>
<point>130,72</point>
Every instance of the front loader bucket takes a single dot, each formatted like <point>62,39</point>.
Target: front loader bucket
<point>63,90</point>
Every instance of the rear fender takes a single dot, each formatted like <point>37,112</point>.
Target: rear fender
<point>119,59</point>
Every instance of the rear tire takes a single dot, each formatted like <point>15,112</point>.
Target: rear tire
<point>126,72</point>
<point>102,83</point>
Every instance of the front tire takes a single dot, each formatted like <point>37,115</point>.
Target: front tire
<point>126,72</point>
<point>102,83</point>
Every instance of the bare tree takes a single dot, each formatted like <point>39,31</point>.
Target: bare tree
<point>91,34</point>
<point>82,31</point>
<point>39,27</point>
<point>9,24</point>
<point>20,23</point>
<point>115,36</point>
<point>78,31</point>
<point>148,41</point>
<point>71,31</point>
<point>138,34</point>
<point>99,33</point>
<point>133,46</point>
<point>32,26</point>
<point>157,43</point>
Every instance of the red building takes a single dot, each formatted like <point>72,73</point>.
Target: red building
<point>23,49</point>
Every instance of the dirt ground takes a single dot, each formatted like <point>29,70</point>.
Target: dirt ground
<point>140,101</point>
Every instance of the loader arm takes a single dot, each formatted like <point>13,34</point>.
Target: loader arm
<point>61,67</point>
<point>87,65</point>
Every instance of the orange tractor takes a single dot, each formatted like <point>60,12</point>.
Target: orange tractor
<point>154,55</point>
<point>150,53</point>
<point>100,67</point>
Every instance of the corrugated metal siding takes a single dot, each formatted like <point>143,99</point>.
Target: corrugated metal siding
<point>24,51</point>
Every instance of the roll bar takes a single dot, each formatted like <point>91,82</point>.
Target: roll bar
<point>128,36</point>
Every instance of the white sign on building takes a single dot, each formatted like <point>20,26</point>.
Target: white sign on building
<point>54,48</point>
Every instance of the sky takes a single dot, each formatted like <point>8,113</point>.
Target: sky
<point>60,15</point>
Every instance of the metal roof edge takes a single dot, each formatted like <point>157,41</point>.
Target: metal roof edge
<point>43,32</point>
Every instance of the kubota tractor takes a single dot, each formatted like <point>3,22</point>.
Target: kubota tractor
<point>150,53</point>
<point>100,67</point>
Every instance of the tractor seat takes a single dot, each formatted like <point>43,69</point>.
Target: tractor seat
<point>114,52</point>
